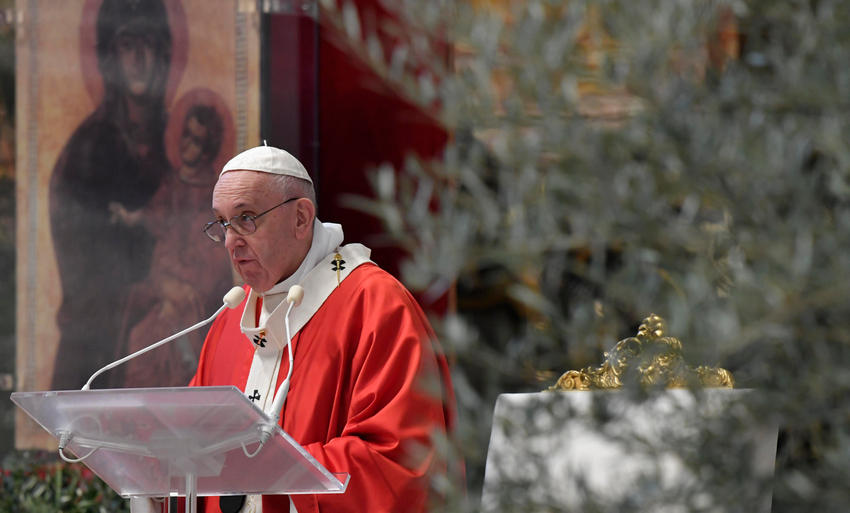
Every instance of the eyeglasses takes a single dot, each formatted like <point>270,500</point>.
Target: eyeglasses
<point>243,224</point>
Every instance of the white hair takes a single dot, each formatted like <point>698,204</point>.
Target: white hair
<point>295,187</point>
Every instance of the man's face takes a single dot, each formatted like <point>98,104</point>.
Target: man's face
<point>271,253</point>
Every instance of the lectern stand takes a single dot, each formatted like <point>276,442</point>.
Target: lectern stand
<point>189,441</point>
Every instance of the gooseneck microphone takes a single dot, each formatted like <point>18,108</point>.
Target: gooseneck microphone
<point>293,297</point>
<point>231,300</point>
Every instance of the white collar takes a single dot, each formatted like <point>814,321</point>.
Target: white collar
<point>326,238</point>
<point>270,335</point>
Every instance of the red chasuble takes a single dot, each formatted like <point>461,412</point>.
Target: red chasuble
<point>369,387</point>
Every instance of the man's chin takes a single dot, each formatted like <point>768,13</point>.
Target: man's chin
<point>255,283</point>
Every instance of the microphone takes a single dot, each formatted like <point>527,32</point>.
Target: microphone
<point>295,294</point>
<point>293,297</point>
<point>231,300</point>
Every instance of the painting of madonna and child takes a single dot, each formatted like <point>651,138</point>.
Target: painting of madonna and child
<point>135,115</point>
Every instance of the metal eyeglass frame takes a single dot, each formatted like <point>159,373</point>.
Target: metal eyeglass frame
<point>243,218</point>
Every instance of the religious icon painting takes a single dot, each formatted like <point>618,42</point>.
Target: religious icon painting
<point>126,108</point>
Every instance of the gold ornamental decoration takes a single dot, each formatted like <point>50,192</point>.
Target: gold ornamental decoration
<point>650,358</point>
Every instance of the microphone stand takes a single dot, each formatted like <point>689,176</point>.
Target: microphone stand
<point>231,300</point>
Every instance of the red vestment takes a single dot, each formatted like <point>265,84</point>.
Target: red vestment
<point>369,387</point>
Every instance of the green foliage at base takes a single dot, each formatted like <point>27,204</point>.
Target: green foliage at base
<point>36,483</point>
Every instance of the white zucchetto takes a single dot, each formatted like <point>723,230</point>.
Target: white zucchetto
<point>267,159</point>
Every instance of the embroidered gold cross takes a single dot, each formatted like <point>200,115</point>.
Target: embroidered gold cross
<point>338,267</point>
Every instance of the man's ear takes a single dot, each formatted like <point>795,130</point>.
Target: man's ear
<point>305,212</point>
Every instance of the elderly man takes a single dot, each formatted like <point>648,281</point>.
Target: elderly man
<point>369,386</point>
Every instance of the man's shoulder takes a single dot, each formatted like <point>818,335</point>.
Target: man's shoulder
<point>372,297</point>
<point>376,286</point>
<point>371,275</point>
<point>368,281</point>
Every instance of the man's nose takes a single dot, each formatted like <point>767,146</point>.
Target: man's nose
<point>232,239</point>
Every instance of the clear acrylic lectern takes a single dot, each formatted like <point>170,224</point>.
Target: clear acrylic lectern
<point>188,441</point>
